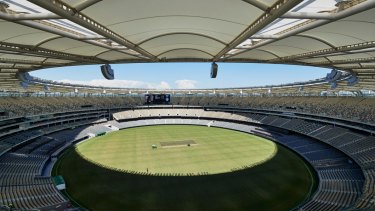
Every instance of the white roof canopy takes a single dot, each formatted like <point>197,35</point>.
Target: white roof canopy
<point>38,34</point>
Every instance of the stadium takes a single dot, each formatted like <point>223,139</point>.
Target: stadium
<point>301,145</point>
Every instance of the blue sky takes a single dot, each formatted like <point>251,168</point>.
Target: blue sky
<point>184,75</point>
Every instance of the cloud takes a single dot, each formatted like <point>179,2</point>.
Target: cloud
<point>120,83</point>
<point>180,84</point>
<point>185,84</point>
<point>164,85</point>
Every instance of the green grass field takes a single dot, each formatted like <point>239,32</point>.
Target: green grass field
<point>280,181</point>
<point>216,150</point>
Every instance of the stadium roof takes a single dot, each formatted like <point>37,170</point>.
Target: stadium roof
<point>38,34</point>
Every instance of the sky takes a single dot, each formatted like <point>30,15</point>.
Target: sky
<point>184,75</point>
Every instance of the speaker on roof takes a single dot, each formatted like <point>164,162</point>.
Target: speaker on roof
<point>213,70</point>
<point>107,72</point>
<point>24,77</point>
<point>24,85</point>
<point>333,85</point>
<point>333,75</point>
<point>353,80</point>
<point>337,76</point>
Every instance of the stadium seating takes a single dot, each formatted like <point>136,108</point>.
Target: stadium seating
<point>340,182</point>
<point>21,186</point>
<point>352,108</point>
<point>335,165</point>
<point>343,158</point>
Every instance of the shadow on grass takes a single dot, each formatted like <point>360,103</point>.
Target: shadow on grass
<point>279,184</point>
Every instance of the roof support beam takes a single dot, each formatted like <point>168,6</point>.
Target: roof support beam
<point>29,62</point>
<point>176,49</point>
<point>15,69</point>
<point>36,16</point>
<point>346,48</point>
<point>258,4</point>
<point>265,36</point>
<point>347,53</point>
<point>85,4</point>
<point>346,61</point>
<point>317,39</point>
<point>64,33</point>
<point>274,12</point>
<point>31,50</point>
<point>181,33</point>
<point>309,15</point>
<point>66,11</point>
<point>367,5</point>
<point>365,68</point>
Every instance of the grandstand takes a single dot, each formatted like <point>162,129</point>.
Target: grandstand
<point>328,122</point>
<point>327,147</point>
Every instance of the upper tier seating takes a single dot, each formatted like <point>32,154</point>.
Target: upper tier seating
<point>352,108</point>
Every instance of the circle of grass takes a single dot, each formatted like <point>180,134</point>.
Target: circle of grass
<point>281,183</point>
<point>215,150</point>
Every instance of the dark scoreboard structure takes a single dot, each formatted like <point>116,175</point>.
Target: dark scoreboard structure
<point>157,99</point>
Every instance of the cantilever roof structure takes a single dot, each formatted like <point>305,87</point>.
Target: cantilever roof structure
<point>38,34</point>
